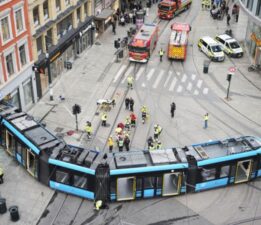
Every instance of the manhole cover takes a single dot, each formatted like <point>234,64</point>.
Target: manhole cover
<point>58,129</point>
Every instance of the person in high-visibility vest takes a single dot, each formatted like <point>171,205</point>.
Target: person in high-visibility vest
<point>206,121</point>
<point>127,123</point>
<point>110,143</point>
<point>88,129</point>
<point>98,205</point>
<point>120,144</point>
<point>104,119</point>
<point>161,53</point>
<point>159,145</point>
<point>144,113</point>
<point>1,175</point>
<point>130,80</point>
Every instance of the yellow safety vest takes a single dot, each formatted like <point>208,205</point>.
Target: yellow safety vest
<point>161,52</point>
<point>130,79</point>
<point>88,129</point>
<point>1,172</point>
<point>104,117</point>
<point>206,118</point>
<point>98,204</point>
<point>110,142</point>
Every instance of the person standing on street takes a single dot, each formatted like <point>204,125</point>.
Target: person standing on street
<point>127,103</point>
<point>206,121</point>
<point>110,143</point>
<point>130,80</point>
<point>104,119</point>
<point>150,142</point>
<point>228,19</point>
<point>88,129</point>
<point>172,109</point>
<point>120,144</point>
<point>133,118</point>
<point>113,27</point>
<point>161,53</point>
<point>131,104</point>
<point>127,142</point>
<point>1,175</point>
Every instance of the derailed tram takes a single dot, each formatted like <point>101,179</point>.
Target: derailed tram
<point>130,175</point>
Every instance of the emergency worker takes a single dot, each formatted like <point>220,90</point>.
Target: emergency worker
<point>110,143</point>
<point>120,144</point>
<point>104,119</point>
<point>98,205</point>
<point>144,112</point>
<point>161,53</point>
<point>1,175</point>
<point>130,80</point>
<point>127,123</point>
<point>88,129</point>
<point>159,145</point>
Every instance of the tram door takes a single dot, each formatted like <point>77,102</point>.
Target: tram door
<point>10,143</point>
<point>126,188</point>
<point>171,184</point>
<point>243,171</point>
<point>31,163</point>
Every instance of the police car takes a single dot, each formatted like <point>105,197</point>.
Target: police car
<point>229,45</point>
<point>211,48</point>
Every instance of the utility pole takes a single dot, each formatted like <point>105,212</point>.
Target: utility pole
<point>49,75</point>
<point>229,76</point>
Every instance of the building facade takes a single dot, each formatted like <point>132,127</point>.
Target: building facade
<point>61,30</point>
<point>17,80</point>
<point>253,34</point>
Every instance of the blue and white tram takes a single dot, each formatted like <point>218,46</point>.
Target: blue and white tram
<point>130,175</point>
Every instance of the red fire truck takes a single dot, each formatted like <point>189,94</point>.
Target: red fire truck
<point>178,41</point>
<point>143,43</point>
<point>167,9</point>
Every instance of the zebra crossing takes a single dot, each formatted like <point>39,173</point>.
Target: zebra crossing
<point>173,81</point>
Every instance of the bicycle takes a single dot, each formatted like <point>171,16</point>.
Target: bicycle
<point>256,67</point>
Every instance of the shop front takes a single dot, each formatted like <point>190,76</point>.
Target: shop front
<point>21,91</point>
<point>61,56</point>
<point>103,20</point>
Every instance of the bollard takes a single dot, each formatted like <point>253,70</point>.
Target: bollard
<point>14,214</point>
<point>205,66</point>
<point>2,206</point>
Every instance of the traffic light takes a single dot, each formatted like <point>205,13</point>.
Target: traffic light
<point>76,109</point>
<point>229,76</point>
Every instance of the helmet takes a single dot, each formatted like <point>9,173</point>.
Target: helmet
<point>159,142</point>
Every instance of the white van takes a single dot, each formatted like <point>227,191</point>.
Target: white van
<point>229,45</point>
<point>211,48</point>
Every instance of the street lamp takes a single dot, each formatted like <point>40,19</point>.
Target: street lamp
<point>49,75</point>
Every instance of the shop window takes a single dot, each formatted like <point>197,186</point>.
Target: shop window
<point>67,2</point>
<point>62,177</point>
<point>138,184</point>
<point>28,92</point>
<point>22,54</point>
<point>224,172</point>
<point>1,74</point>
<point>149,182</point>
<point>80,181</point>
<point>15,99</point>
<point>10,64</point>
<point>5,29</point>
<point>46,10</point>
<point>159,182</point>
<point>208,174</point>
<point>36,16</point>
<point>19,20</point>
<point>39,45</point>
<point>58,5</point>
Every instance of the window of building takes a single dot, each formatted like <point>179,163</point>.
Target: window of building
<point>250,4</point>
<point>39,45</point>
<point>6,29</point>
<point>10,64</point>
<point>22,54</point>
<point>48,39</point>
<point>85,6</point>
<point>36,16</point>
<point>28,92</point>
<point>258,9</point>
<point>78,15</point>
<point>19,20</point>
<point>1,73</point>
<point>64,26</point>
<point>45,10</point>
<point>15,99</point>
<point>67,2</point>
<point>58,5</point>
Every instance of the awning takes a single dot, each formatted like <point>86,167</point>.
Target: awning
<point>104,14</point>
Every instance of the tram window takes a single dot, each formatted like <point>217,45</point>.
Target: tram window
<point>208,174</point>
<point>159,182</point>
<point>80,181</point>
<point>149,182</point>
<point>62,177</point>
<point>138,184</point>
<point>224,171</point>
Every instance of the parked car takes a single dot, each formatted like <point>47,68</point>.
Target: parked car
<point>211,48</point>
<point>229,45</point>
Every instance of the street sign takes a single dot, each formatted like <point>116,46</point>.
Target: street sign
<point>232,69</point>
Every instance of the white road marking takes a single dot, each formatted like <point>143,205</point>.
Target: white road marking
<point>179,88</point>
<point>150,74</point>
<point>193,76</point>
<point>205,91</point>
<point>119,73</point>
<point>199,83</point>
<point>196,92</point>
<point>158,79</point>
<point>184,78</point>
<point>141,70</point>
<point>189,87</point>
<point>143,85</point>
<point>178,73</point>
<point>128,72</point>
<point>167,81</point>
<point>173,83</point>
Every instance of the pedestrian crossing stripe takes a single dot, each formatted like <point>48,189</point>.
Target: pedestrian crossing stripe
<point>184,78</point>
<point>189,87</point>
<point>167,80</point>
<point>158,78</point>
<point>128,73</point>
<point>119,73</point>
<point>141,70</point>
<point>196,92</point>
<point>199,83</point>
<point>143,85</point>
<point>193,76</point>
<point>179,88</point>
<point>173,83</point>
<point>150,74</point>
<point>205,91</point>
<point>178,73</point>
